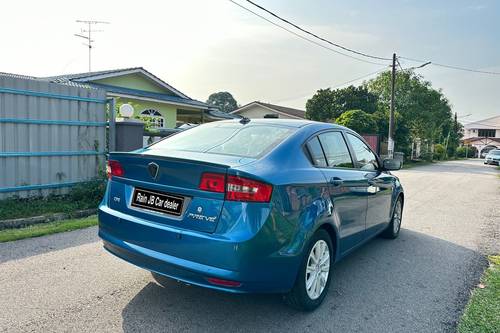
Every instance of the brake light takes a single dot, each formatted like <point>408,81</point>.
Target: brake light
<point>236,188</point>
<point>213,182</point>
<point>244,189</point>
<point>114,168</point>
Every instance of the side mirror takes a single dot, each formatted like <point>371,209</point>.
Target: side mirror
<point>390,164</point>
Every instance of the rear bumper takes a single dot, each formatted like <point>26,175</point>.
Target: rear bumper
<point>192,257</point>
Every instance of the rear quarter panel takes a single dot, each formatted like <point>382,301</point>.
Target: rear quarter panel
<point>300,200</point>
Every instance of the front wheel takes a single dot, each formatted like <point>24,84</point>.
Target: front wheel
<point>394,226</point>
<point>315,275</point>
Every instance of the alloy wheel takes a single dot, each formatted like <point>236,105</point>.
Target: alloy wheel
<point>396,219</point>
<point>317,269</point>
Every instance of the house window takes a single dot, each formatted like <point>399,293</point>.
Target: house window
<point>486,133</point>
<point>156,119</point>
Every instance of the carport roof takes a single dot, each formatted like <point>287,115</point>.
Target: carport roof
<point>150,95</point>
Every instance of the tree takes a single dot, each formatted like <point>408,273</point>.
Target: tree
<point>420,110</point>
<point>327,104</point>
<point>321,107</point>
<point>359,121</point>
<point>223,100</point>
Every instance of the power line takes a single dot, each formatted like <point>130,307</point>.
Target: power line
<point>351,50</point>
<point>453,67</point>
<point>338,85</point>
<point>316,36</point>
<point>359,78</point>
<point>478,123</point>
<point>303,37</point>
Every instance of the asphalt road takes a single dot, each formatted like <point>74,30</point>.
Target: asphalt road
<point>416,283</point>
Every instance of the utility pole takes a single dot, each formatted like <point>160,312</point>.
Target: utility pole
<point>390,146</point>
<point>88,37</point>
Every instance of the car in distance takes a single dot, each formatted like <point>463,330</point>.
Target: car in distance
<point>493,157</point>
<point>247,206</point>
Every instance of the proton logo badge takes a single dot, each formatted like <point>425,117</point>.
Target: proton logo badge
<point>153,169</point>
<point>199,209</point>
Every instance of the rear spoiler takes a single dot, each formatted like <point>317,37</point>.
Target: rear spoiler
<point>114,155</point>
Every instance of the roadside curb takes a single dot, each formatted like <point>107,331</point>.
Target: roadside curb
<point>24,222</point>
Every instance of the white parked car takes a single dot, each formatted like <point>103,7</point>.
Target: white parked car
<point>493,157</point>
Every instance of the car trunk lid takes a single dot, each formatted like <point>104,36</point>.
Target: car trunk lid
<point>164,188</point>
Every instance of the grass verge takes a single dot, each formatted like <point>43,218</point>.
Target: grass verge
<point>482,314</point>
<point>43,229</point>
<point>82,196</point>
<point>412,164</point>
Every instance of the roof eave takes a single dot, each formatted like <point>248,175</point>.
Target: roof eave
<point>131,71</point>
<point>157,100</point>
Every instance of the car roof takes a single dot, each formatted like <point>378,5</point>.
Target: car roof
<point>287,122</point>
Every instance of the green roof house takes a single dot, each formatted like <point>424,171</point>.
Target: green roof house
<point>149,95</point>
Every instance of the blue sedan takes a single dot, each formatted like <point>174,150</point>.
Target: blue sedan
<point>249,206</point>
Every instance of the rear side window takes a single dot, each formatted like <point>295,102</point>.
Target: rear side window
<point>316,153</point>
<point>227,139</point>
<point>336,151</point>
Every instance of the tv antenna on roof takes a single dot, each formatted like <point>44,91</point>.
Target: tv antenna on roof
<point>87,34</point>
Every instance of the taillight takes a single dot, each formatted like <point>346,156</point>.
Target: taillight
<point>213,182</point>
<point>114,168</point>
<point>244,189</point>
<point>236,188</point>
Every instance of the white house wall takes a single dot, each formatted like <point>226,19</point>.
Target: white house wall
<point>471,130</point>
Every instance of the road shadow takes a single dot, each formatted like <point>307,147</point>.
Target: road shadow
<point>416,283</point>
<point>29,247</point>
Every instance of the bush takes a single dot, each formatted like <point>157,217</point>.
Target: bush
<point>86,195</point>
<point>439,152</point>
<point>89,192</point>
<point>359,121</point>
<point>469,151</point>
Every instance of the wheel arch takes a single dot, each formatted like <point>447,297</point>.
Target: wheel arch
<point>399,195</point>
<point>330,229</point>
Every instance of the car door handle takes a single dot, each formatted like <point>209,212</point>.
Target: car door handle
<point>336,181</point>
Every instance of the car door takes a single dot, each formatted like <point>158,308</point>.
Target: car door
<point>380,185</point>
<point>346,189</point>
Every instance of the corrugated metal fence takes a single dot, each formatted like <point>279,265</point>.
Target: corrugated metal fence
<point>52,136</point>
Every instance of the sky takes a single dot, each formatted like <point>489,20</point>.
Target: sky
<point>201,47</point>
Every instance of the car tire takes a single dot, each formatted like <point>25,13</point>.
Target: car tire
<point>308,299</point>
<point>392,230</point>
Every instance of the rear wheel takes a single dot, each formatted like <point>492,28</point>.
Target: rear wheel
<point>394,227</point>
<point>314,276</point>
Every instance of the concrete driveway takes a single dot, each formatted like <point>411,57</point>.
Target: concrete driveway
<point>417,283</point>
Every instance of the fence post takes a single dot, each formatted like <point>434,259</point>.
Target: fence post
<point>112,125</point>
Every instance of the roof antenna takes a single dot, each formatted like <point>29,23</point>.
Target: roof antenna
<point>244,120</point>
<point>88,37</point>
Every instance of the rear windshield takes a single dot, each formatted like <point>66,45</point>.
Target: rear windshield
<point>227,139</point>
